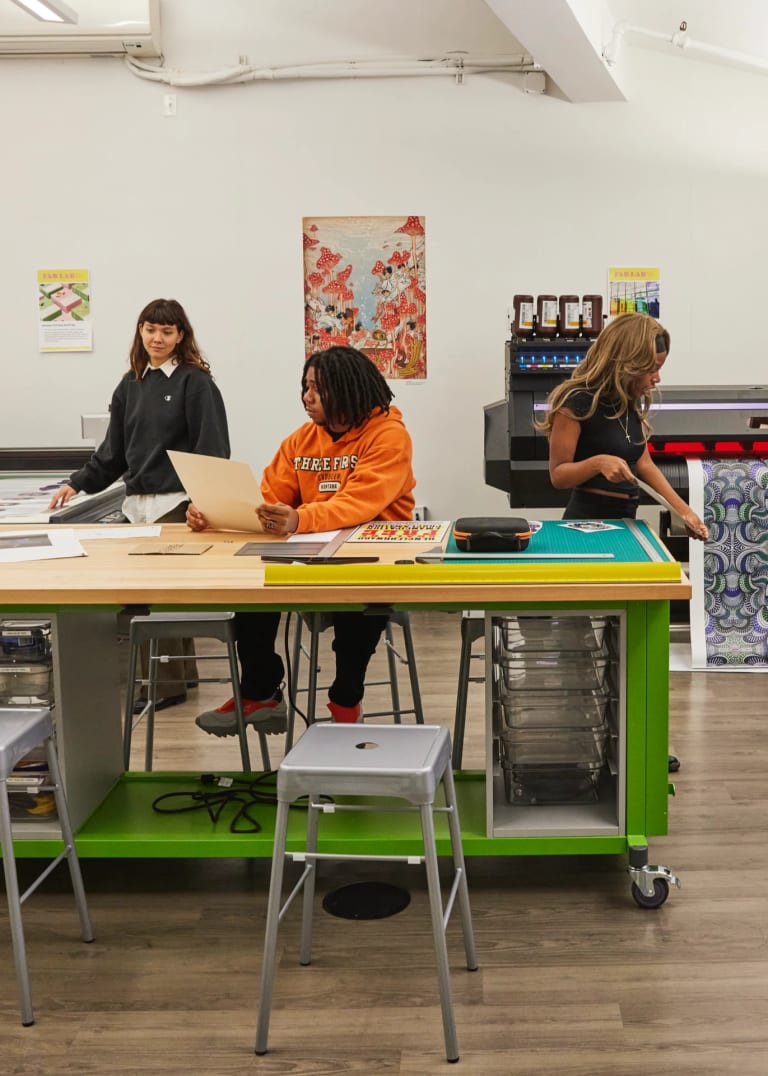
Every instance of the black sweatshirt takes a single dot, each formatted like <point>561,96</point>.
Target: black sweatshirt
<point>184,411</point>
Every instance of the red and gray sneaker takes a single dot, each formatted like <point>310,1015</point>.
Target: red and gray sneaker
<point>267,715</point>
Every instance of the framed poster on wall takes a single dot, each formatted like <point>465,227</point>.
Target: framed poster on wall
<point>634,290</point>
<point>365,287</point>
<point>64,310</point>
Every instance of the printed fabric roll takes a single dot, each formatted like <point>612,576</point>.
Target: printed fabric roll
<point>729,572</point>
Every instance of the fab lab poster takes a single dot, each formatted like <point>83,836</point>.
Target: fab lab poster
<point>64,310</point>
<point>634,291</point>
<point>365,287</point>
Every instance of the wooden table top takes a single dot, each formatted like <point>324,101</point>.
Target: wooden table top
<point>110,575</point>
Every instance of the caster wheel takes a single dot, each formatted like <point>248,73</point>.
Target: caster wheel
<point>660,894</point>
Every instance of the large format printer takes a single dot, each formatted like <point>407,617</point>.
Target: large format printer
<point>688,422</point>
<point>47,467</point>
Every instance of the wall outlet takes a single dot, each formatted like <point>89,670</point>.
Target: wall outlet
<point>420,512</point>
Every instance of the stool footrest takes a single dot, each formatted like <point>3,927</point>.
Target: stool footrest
<point>295,891</point>
<point>145,682</point>
<point>44,874</point>
<point>386,713</point>
<point>330,808</point>
<point>457,877</point>
<point>310,857</point>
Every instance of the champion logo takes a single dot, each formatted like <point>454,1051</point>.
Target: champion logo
<point>167,398</point>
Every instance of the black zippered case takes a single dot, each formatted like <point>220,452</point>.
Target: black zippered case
<point>491,534</point>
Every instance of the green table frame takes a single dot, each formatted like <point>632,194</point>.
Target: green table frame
<point>125,825</point>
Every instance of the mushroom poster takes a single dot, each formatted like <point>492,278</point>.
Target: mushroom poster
<point>365,287</point>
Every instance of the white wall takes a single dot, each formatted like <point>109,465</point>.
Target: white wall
<point>519,193</point>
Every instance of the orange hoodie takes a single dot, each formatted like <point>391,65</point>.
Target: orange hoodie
<point>366,474</point>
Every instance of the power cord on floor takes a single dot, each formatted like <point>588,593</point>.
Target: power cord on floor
<point>217,794</point>
<point>221,792</point>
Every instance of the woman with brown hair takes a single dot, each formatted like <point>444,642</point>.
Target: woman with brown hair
<point>167,399</point>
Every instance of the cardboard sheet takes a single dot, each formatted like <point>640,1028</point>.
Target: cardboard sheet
<point>225,491</point>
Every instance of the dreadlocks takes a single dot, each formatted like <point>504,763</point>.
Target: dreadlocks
<point>349,385</point>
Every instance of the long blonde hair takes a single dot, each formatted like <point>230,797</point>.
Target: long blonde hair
<point>625,350</point>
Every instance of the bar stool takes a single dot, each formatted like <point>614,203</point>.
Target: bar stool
<point>406,762</point>
<point>319,622</point>
<point>472,629</point>
<point>21,730</point>
<point>156,626</point>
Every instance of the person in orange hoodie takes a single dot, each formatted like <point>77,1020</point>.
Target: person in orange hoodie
<point>350,464</point>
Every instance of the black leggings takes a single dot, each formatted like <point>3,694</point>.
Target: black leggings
<point>583,505</point>
<point>356,636</point>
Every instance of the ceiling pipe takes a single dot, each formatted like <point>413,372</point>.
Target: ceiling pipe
<point>682,42</point>
<point>457,66</point>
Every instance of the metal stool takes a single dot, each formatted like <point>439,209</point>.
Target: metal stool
<point>158,626</point>
<point>319,622</point>
<point>472,629</point>
<point>405,762</point>
<point>21,730</point>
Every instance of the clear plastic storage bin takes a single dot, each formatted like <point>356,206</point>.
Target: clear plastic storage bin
<point>554,747</point>
<point>527,786</point>
<point>573,633</point>
<point>25,640</point>
<point>552,709</point>
<point>552,670</point>
<point>26,684</point>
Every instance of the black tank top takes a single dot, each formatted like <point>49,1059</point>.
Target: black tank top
<point>604,433</point>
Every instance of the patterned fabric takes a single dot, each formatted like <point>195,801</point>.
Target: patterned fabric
<point>736,562</point>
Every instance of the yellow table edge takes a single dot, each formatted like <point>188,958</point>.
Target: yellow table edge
<point>439,574</point>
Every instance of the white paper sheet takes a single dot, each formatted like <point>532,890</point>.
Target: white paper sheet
<point>225,491</point>
<point>315,536</point>
<point>16,546</point>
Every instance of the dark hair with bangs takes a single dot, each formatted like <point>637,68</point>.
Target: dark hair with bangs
<point>167,312</point>
<point>349,385</point>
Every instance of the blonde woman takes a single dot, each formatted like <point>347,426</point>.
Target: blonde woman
<point>598,427</point>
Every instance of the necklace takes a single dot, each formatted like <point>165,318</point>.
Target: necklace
<point>625,425</point>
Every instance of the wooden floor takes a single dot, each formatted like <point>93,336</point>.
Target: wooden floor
<point>574,979</point>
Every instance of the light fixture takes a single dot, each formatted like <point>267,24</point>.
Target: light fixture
<point>49,10</point>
